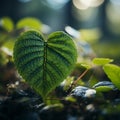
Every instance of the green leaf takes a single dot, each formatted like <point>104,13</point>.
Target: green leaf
<point>44,63</point>
<point>29,23</point>
<point>102,61</point>
<point>104,86</point>
<point>87,66</point>
<point>7,24</point>
<point>113,72</point>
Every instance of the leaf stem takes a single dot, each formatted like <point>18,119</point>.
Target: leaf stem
<point>75,82</point>
<point>80,76</point>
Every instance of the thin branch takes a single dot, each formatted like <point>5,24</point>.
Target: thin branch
<point>80,76</point>
<point>75,82</point>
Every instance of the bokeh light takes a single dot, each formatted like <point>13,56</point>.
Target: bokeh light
<point>113,17</point>
<point>115,2</point>
<point>85,4</point>
<point>56,4</point>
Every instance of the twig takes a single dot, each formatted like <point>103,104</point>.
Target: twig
<point>80,76</point>
<point>75,82</point>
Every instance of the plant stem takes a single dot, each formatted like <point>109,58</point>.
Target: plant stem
<point>80,76</point>
<point>75,82</point>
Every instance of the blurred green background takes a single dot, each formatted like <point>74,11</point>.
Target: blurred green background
<point>97,21</point>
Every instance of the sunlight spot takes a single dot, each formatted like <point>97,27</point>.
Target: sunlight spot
<point>72,32</point>
<point>85,4</point>
<point>92,3</point>
<point>79,5</point>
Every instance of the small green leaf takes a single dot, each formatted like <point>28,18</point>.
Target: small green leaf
<point>104,86</point>
<point>67,82</point>
<point>87,66</point>
<point>70,99</point>
<point>44,64</point>
<point>113,72</point>
<point>29,23</point>
<point>102,61</point>
<point>7,24</point>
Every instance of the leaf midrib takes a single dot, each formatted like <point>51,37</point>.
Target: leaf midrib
<point>44,61</point>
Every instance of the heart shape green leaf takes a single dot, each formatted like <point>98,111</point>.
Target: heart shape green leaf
<point>44,63</point>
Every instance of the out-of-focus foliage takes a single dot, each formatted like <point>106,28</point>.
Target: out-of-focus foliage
<point>108,49</point>
<point>10,31</point>
<point>102,61</point>
<point>29,23</point>
<point>113,72</point>
<point>7,24</point>
<point>90,35</point>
